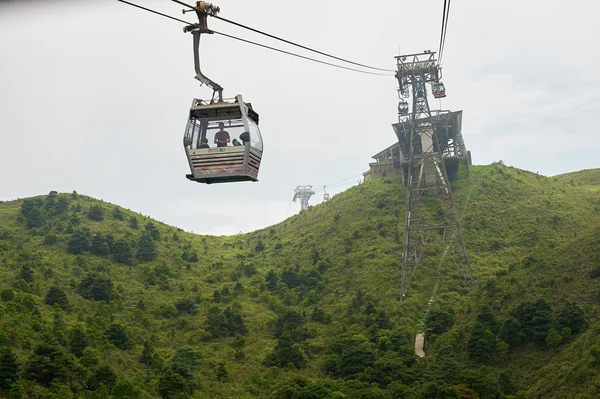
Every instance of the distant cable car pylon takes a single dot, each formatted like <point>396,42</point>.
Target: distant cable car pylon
<point>303,193</point>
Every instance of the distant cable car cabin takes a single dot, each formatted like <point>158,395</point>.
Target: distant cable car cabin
<point>402,108</point>
<point>438,90</point>
<point>222,142</point>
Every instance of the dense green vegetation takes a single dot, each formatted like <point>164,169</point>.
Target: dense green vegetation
<point>97,301</point>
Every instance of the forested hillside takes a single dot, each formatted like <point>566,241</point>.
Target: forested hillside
<point>97,301</point>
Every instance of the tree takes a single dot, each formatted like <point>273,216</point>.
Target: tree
<point>17,390</point>
<point>29,204</point>
<point>437,390</point>
<point>49,362</point>
<point>26,273</point>
<point>9,369</point>
<point>146,250</point>
<point>173,385</point>
<point>177,377</point>
<point>123,252</point>
<point>96,286</point>
<point>535,319</point>
<point>36,217</point>
<point>62,204</point>
<point>90,357</point>
<point>7,295</point>
<point>99,245</point>
<point>117,213</point>
<point>153,231</point>
<point>553,339</point>
<point>349,355</point>
<point>439,321</point>
<point>221,372</point>
<point>126,390</point>
<point>147,357</point>
<point>119,336</point>
<point>286,353</point>
<point>187,306</point>
<point>80,242</point>
<point>50,239</point>
<point>78,341</point>
<point>56,296</point>
<point>357,357</point>
<point>96,213</point>
<point>510,331</point>
<point>215,322</point>
<point>104,375</point>
<point>572,316</point>
<point>260,246</point>
<point>482,344</point>
<point>133,222</point>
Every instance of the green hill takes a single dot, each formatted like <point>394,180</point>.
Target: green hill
<point>97,301</point>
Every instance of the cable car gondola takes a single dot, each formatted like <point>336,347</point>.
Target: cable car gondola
<point>402,108</point>
<point>222,141</point>
<point>438,90</point>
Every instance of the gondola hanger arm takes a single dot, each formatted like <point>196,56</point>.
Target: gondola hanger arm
<point>203,10</point>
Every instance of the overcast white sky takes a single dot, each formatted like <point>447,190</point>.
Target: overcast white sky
<point>94,96</point>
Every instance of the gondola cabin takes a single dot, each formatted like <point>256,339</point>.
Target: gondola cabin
<point>222,142</point>
<point>402,108</point>
<point>438,90</point>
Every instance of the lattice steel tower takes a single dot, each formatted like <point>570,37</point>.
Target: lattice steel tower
<point>427,180</point>
<point>304,193</point>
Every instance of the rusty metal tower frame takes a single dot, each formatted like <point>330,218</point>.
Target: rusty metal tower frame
<point>426,178</point>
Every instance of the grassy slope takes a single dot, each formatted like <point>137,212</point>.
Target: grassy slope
<point>512,215</point>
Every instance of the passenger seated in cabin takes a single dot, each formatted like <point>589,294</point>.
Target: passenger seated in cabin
<point>204,143</point>
<point>222,137</point>
<point>236,143</point>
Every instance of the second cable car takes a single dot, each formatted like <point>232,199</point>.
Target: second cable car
<point>438,90</point>
<point>222,142</point>
<point>402,108</point>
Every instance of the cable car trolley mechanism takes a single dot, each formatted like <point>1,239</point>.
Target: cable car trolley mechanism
<point>222,140</point>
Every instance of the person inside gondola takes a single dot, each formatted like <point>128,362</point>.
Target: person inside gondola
<point>204,143</point>
<point>236,143</point>
<point>222,137</point>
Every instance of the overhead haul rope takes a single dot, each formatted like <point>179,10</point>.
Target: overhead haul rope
<point>287,41</point>
<point>444,29</point>
<point>259,44</point>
